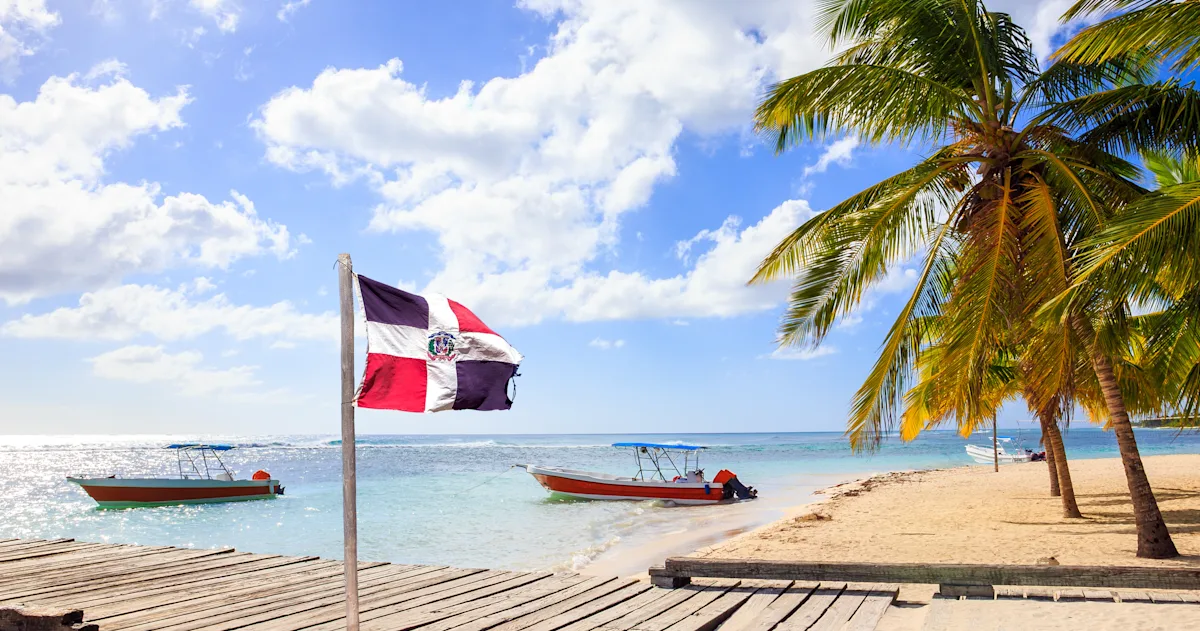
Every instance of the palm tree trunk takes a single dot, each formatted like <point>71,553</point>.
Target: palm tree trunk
<point>1154,541</point>
<point>995,448</point>
<point>1054,441</point>
<point>1051,457</point>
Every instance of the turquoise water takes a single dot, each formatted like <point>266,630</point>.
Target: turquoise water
<point>448,499</point>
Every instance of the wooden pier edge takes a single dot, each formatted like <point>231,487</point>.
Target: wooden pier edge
<point>117,587</point>
<point>956,579</point>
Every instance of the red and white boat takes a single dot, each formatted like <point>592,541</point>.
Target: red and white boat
<point>687,486</point>
<point>197,483</point>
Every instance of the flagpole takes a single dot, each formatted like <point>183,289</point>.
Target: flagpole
<point>349,490</point>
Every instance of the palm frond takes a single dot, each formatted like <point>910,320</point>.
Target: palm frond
<point>877,103</point>
<point>1157,116</point>
<point>1170,169</point>
<point>877,403</point>
<point>1163,29</point>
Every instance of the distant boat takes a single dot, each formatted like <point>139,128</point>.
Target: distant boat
<point>197,483</point>
<point>985,455</point>
<point>687,486</point>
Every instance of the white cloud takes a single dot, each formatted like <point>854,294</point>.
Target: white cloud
<point>23,26</point>
<point>605,345</point>
<point>106,68</point>
<point>242,70</point>
<point>200,285</point>
<point>838,152</point>
<point>152,364</point>
<point>64,228</point>
<point>289,8</point>
<point>800,354</point>
<point>715,286</point>
<point>225,13</point>
<point>129,311</point>
<point>524,181</point>
<point>1040,18</point>
<point>542,166</point>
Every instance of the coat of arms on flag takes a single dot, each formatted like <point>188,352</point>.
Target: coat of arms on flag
<point>428,354</point>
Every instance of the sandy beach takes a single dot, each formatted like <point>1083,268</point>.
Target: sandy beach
<point>973,515</point>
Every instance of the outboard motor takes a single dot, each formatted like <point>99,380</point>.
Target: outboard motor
<point>733,487</point>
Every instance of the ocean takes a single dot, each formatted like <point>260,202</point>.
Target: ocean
<point>453,500</point>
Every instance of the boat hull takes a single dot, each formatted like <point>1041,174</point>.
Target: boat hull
<point>598,486</point>
<point>984,455</point>
<point>132,493</point>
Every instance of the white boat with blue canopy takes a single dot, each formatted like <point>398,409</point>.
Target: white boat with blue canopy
<point>203,478</point>
<point>654,462</point>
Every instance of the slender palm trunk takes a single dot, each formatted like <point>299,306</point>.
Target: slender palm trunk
<point>1054,441</point>
<point>1051,458</point>
<point>1154,541</point>
<point>995,448</point>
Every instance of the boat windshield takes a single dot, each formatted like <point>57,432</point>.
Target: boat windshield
<point>656,460</point>
<point>198,462</point>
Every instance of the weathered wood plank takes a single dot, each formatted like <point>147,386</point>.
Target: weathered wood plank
<point>156,585</point>
<point>387,598</point>
<point>82,560</point>
<point>704,596</point>
<point>51,555</point>
<point>604,616</point>
<point>1070,593</point>
<point>436,615</point>
<point>408,617</point>
<point>1010,592</point>
<point>871,611</point>
<point>1040,593</point>
<point>813,608</point>
<point>841,611</point>
<point>586,591</point>
<point>13,556</point>
<point>1098,594</point>
<point>745,616</point>
<point>574,609</point>
<point>185,595</point>
<point>783,606</point>
<point>26,544</point>
<point>263,606</point>
<point>947,573</point>
<point>710,616</point>
<point>100,572</point>
<point>640,614</point>
<point>211,592</point>
<point>115,575</point>
<point>1165,597</point>
<point>493,610</point>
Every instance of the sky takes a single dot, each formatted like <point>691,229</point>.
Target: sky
<point>177,178</point>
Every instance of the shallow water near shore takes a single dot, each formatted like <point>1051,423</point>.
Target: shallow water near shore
<point>453,500</point>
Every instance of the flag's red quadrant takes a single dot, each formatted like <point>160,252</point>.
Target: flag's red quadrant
<point>394,383</point>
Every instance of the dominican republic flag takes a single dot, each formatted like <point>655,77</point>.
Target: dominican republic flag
<point>428,354</point>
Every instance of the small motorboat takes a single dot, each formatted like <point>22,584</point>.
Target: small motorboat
<point>985,455</point>
<point>203,478</point>
<point>654,462</point>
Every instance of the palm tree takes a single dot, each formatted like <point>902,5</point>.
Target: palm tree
<point>927,407</point>
<point>995,212</point>
<point>1164,28</point>
<point>1148,253</point>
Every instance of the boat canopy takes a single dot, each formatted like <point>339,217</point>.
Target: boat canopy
<point>200,446</point>
<point>661,446</point>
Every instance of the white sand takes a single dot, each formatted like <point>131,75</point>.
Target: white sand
<point>972,515</point>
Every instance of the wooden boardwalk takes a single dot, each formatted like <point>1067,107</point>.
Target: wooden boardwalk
<point>147,588</point>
